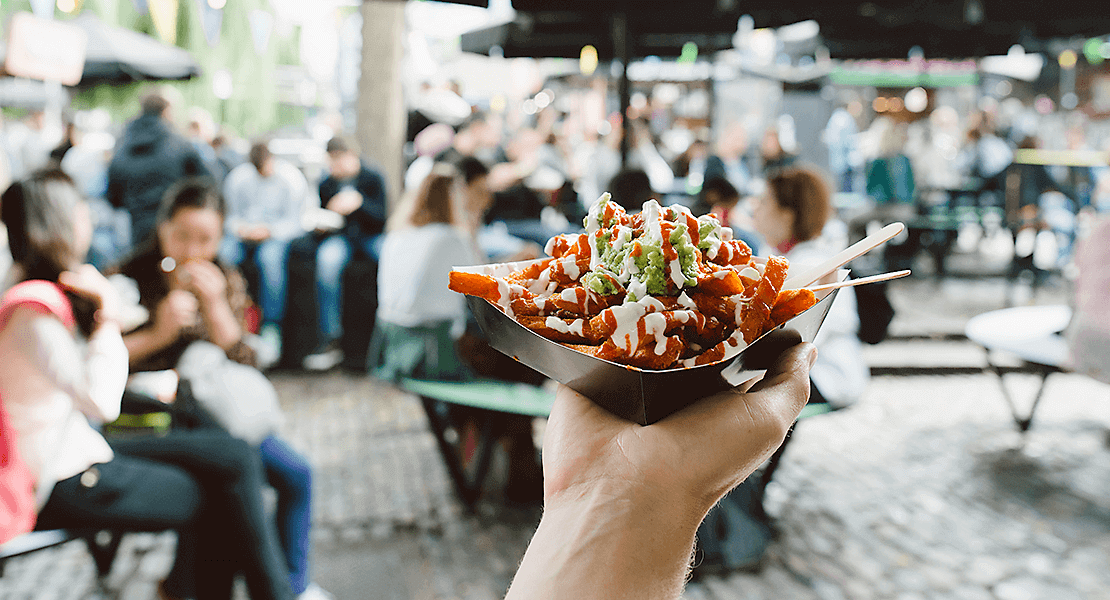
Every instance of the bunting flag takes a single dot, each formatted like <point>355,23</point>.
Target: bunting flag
<point>211,20</point>
<point>164,15</point>
<point>43,9</point>
<point>141,6</point>
<point>262,24</point>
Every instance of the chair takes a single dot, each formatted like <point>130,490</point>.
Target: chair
<point>1057,338</point>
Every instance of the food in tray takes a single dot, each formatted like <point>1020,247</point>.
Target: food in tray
<point>659,289</point>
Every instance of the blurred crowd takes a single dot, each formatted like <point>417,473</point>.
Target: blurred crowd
<point>225,258</point>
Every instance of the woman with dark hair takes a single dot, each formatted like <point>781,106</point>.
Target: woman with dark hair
<point>65,364</point>
<point>793,216</point>
<point>197,307</point>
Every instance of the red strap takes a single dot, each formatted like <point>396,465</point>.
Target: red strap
<point>44,296</point>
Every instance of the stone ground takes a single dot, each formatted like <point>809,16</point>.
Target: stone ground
<point>922,490</point>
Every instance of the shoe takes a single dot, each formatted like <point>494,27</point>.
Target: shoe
<point>315,592</point>
<point>269,350</point>
<point>324,358</point>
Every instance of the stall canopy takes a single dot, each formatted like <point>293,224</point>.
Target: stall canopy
<point>966,29</point>
<point>619,30</point>
<point>117,55</point>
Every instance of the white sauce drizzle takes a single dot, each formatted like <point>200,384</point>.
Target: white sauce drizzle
<point>655,324</point>
<point>686,302</point>
<point>750,273</point>
<point>575,327</point>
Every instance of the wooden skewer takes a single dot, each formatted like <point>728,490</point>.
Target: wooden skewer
<point>860,281</point>
<point>856,250</point>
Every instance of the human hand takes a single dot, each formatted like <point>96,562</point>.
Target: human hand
<point>690,458</point>
<point>206,280</point>
<point>88,282</point>
<point>254,233</point>
<point>622,502</point>
<point>175,312</point>
<point>345,203</point>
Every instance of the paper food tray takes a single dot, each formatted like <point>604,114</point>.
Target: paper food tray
<point>636,394</point>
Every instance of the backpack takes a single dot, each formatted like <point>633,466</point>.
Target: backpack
<point>17,483</point>
<point>874,309</point>
<point>735,533</point>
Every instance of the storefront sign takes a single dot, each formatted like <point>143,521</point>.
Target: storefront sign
<point>45,49</point>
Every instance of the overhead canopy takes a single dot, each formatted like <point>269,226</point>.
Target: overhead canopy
<point>970,28</point>
<point>654,28</point>
<point>118,55</point>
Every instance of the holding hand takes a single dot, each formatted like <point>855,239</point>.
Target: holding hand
<point>206,280</point>
<point>622,502</point>
<point>345,203</point>
<point>177,311</point>
<point>86,281</point>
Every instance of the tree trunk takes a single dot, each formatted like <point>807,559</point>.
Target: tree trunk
<point>380,113</point>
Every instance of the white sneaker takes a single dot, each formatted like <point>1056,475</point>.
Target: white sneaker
<point>315,592</point>
<point>324,358</point>
<point>270,348</point>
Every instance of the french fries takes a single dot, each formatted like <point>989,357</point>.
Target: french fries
<point>657,290</point>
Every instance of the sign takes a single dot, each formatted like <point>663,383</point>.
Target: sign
<point>45,49</point>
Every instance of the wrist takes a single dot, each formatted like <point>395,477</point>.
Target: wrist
<point>598,540</point>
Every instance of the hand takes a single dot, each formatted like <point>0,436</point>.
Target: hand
<point>622,502</point>
<point>206,280</point>
<point>345,203</point>
<point>86,281</point>
<point>175,312</point>
<point>692,457</point>
<point>254,233</point>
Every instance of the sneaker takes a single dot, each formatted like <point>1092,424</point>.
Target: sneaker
<point>324,358</point>
<point>269,350</point>
<point>315,592</point>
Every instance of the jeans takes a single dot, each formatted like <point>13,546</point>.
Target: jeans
<point>290,475</point>
<point>203,483</point>
<point>332,256</point>
<point>271,257</point>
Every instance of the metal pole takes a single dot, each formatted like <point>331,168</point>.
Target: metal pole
<point>622,48</point>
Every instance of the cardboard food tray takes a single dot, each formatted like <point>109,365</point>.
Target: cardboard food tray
<point>636,394</point>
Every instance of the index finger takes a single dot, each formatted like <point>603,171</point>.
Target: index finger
<point>733,432</point>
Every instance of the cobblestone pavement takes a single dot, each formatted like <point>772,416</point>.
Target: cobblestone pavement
<point>921,490</point>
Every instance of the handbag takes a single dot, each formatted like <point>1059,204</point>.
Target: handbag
<point>239,397</point>
<point>17,482</point>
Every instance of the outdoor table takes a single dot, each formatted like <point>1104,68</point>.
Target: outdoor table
<point>1033,334</point>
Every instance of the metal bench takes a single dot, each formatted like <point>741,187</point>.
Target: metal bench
<point>102,545</point>
<point>492,396</point>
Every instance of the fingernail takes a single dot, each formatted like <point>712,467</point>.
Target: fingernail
<point>812,355</point>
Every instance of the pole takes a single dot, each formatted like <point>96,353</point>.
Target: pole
<point>622,49</point>
<point>380,112</point>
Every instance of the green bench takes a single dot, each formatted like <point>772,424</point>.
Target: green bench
<point>494,397</point>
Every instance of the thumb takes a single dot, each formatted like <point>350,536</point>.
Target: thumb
<point>784,389</point>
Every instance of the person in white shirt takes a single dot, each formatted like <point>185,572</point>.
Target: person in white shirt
<point>65,367</point>
<point>425,239</point>
<point>266,201</point>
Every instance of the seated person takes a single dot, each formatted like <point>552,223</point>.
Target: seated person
<point>631,188</point>
<point>421,328</point>
<point>65,364</point>
<point>191,297</point>
<point>266,199</point>
<point>356,194</point>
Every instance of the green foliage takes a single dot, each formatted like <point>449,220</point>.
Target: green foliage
<point>253,108</point>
